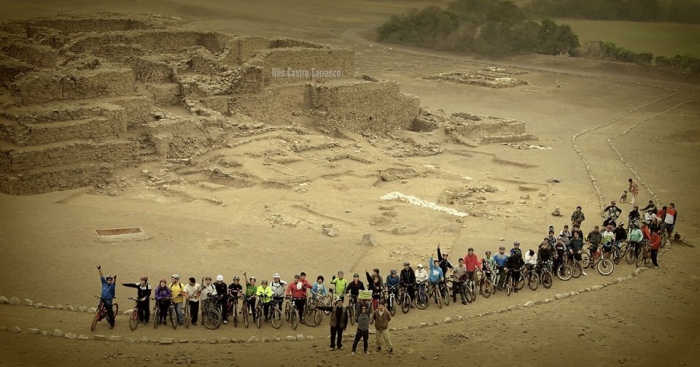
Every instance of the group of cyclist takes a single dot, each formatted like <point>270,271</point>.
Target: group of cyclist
<point>502,266</point>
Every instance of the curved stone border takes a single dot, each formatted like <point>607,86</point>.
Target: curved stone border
<point>601,201</point>
<point>300,337</point>
<point>629,166</point>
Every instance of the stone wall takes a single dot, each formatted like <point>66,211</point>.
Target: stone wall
<point>151,69</point>
<point>167,94</point>
<point>364,106</point>
<point>492,126</point>
<point>9,69</point>
<point>44,86</point>
<point>41,56</point>
<point>274,105</point>
<point>164,41</point>
<point>92,128</point>
<point>23,159</point>
<point>295,65</point>
<point>58,179</point>
<point>84,24</point>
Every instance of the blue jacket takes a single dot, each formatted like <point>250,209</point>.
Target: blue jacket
<point>108,290</point>
<point>435,273</point>
<point>500,259</point>
<point>392,281</point>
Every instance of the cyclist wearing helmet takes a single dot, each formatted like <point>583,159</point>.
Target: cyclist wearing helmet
<point>339,320</point>
<point>250,289</point>
<point>108,293</point>
<point>340,284</point>
<point>513,265</point>
<point>500,259</point>
<point>443,262</point>
<point>612,212</point>
<point>178,290</point>
<point>408,279</point>
<point>264,294</point>
<point>278,287</point>
<point>144,298</point>
<point>221,298</point>
<point>392,284</point>
<point>516,245</point>
<point>460,275</point>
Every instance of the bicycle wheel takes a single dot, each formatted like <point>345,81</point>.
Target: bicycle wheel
<point>438,297</point>
<point>446,297</point>
<point>115,310</point>
<point>96,318</point>
<point>509,287</point>
<point>276,318</point>
<point>351,314</point>
<point>547,279</point>
<point>134,319</point>
<point>468,293</point>
<point>245,314</point>
<point>187,316</point>
<point>487,288</point>
<point>316,317</point>
<point>520,284</point>
<point>664,236</point>
<point>565,272</point>
<point>630,255</point>
<point>156,317</point>
<point>258,317</point>
<point>294,319</point>
<point>576,269</point>
<point>172,314</point>
<point>392,302</point>
<point>234,315</point>
<point>532,281</point>
<point>605,267</point>
<point>211,319</point>
<point>586,259</point>
<point>422,300</point>
<point>616,255</point>
<point>406,303</point>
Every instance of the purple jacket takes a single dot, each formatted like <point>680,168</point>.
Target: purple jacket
<point>163,293</point>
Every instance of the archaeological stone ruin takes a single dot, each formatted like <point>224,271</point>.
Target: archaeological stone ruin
<point>81,98</point>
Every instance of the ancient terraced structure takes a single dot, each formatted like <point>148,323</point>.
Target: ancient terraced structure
<point>83,97</point>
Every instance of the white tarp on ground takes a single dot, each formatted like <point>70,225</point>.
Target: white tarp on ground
<point>420,202</point>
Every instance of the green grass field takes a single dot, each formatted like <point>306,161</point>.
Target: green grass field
<point>661,39</point>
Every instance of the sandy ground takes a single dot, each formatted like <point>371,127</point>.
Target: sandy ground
<point>49,248</point>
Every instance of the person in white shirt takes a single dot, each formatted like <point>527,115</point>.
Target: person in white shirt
<point>531,258</point>
<point>208,291</point>
<point>421,276</point>
<point>193,292</point>
<point>278,287</point>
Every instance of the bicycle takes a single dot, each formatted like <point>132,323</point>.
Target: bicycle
<point>314,316</point>
<point>404,298</point>
<point>291,312</point>
<point>258,312</point>
<point>390,297</point>
<point>211,315</point>
<point>575,266</point>
<point>352,309</point>
<point>533,280</point>
<point>245,311</point>
<point>486,287</point>
<point>134,317</point>
<point>101,313</point>
<point>172,314</point>
<point>232,309</point>
<point>544,271</point>
<point>422,296</point>
<point>604,265</point>
<point>644,254</point>
<point>187,316</point>
<point>275,314</point>
<point>434,292</point>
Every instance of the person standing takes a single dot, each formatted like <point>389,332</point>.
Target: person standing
<point>670,217</point>
<point>143,295</point>
<point>163,299</point>
<point>109,291</point>
<point>362,329</point>
<point>208,291</point>
<point>278,287</point>
<point>655,246</point>
<point>444,263</point>
<point>636,237</point>
<point>177,291</point>
<point>633,189</point>
<point>408,279</point>
<point>577,217</point>
<point>381,323</point>
<point>221,299</point>
<point>297,291</point>
<point>193,292</point>
<point>500,259</point>
<point>575,248</point>
<point>340,284</point>
<point>460,274</point>
<point>392,285</point>
<point>339,321</point>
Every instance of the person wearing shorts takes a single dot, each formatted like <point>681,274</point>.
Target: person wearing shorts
<point>575,247</point>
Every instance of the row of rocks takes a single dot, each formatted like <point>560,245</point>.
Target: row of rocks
<point>27,302</point>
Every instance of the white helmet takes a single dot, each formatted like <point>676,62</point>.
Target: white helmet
<point>420,265</point>
<point>276,275</point>
<point>219,278</point>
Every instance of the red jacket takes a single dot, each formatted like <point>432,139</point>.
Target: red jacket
<point>655,241</point>
<point>298,293</point>
<point>471,262</point>
<point>646,232</point>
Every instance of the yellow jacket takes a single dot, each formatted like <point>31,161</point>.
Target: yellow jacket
<point>265,294</point>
